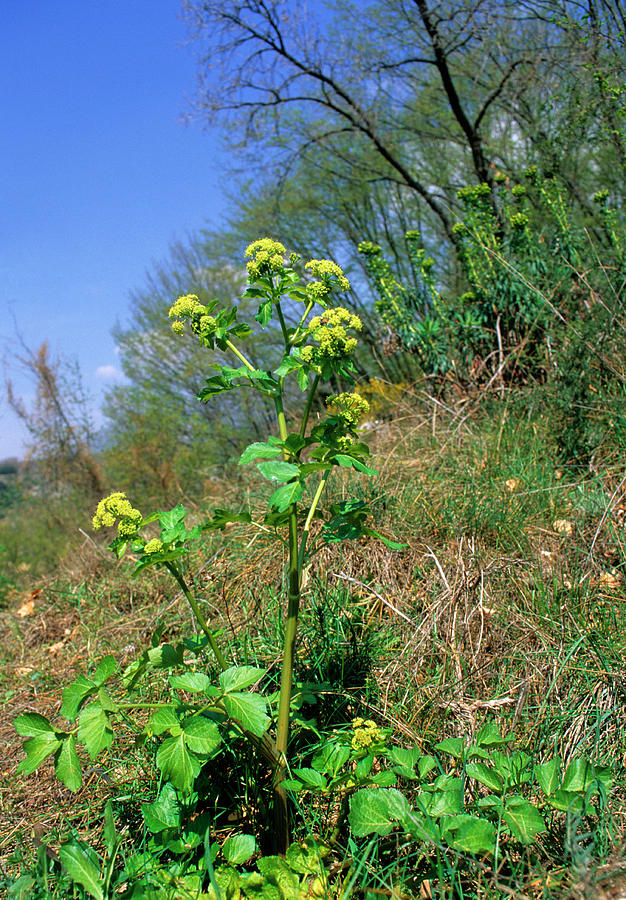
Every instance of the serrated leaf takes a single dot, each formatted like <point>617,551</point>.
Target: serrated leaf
<point>489,736</point>
<point>32,724</point>
<point>82,868</point>
<point>278,470</point>
<point>425,765</point>
<point>451,746</point>
<point>470,834</point>
<point>37,749</point>
<point>164,719</point>
<point>350,462</point>
<point>303,379</point>
<point>286,495</point>
<point>201,735</point>
<point>171,517</point>
<point>94,729</point>
<point>524,820</point>
<point>105,668</point>
<point>289,364</point>
<point>75,694</point>
<point>237,678</point>
<point>275,871</point>
<point>239,848</point>
<point>264,314</point>
<point>258,450</point>
<point>67,764</point>
<point>310,778</point>
<point>164,812</point>
<point>369,814</point>
<point>165,656</point>
<point>249,710</point>
<point>305,857</point>
<point>548,776</point>
<point>177,763</point>
<point>566,801</point>
<point>485,775</point>
<point>194,682</point>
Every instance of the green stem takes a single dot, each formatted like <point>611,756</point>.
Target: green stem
<point>308,309</point>
<point>309,402</point>
<point>240,356</point>
<point>283,326</point>
<point>193,603</point>
<point>309,519</point>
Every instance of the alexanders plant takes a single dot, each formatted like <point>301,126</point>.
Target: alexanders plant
<point>196,720</point>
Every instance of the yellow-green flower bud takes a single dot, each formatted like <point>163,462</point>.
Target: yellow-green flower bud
<point>153,546</point>
<point>329,271</point>
<point>178,327</point>
<point>349,407</point>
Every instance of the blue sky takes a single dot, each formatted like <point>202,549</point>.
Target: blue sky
<point>97,173</point>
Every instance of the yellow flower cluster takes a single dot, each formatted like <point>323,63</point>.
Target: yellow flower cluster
<point>328,271</point>
<point>365,734</point>
<point>153,546</point>
<point>268,257</point>
<point>519,221</point>
<point>117,506</point>
<point>330,333</point>
<point>349,407</point>
<point>184,308</point>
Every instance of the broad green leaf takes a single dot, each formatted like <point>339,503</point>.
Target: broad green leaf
<point>548,775</point>
<point>305,857</point>
<point>164,719</point>
<point>364,767</point>
<point>106,702</point>
<point>201,735</point>
<point>278,470</point>
<point>249,710</point>
<point>286,495</point>
<point>489,736</point>
<point>330,759</point>
<point>289,364</point>
<point>94,729</point>
<point>33,724</point>
<point>82,868</point>
<point>165,656</point>
<point>425,765</point>
<point>237,678</point>
<point>239,848</point>
<point>369,814</point>
<point>109,832</point>
<point>311,778</point>
<point>75,694</point>
<point>105,668</point>
<point>524,820</point>
<point>566,801</point>
<point>405,758</point>
<point>171,517</point>
<point>470,834</point>
<point>452,746</point>
<point>276,871</point>
<point>258,451</point>
<point>446,802</point>
<point>37,749</point>
<point>393,545</point>
<point>164,812</point>
<point>265,313</point>
<point>303,379</point>
<point>222,517</point>
<point>384,779</point>
<point>194,682</point>
<point>177,763</point>
<point>485,775</point>
<point>67,764</point>
<point>350,462</point>
<point>578,775</point>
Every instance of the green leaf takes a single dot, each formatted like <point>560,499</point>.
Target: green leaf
<point>67,765</point>
<point>37,749</point>
<point>548,775</point>
<point>393,545</point>
<point>350,462</point>
<point>566,801</point>
<point>331,759</point>
<point>177,763</point>
<point>425,765</point>
<point>194,682</point>
<point>222,517</point>
<point>305,857</point>
<point>171,517</point>
<point>201,735</point>
<point>75,694</point>
<point>249,710</point>
<point>258,451</point>
<point>239,848</point>
<point>105,668</point>
<point>94,729</point>
<point>265,313</point>
<point>164,812</point>
<point>524,820</point>
<point>489,736</point>
<point>165,656</point>
<point>578,775</point>
<point>286,495</point>
<point>276,871</point>
<point>470,834</point>
<point>289,364</point>
<point>303,379</point>
<point>451,746</point>
<point>164,719</point>
<point>278,470</point>
<point>369,814</point>
<point>81,868</point>
<point>32,725</point>
<point>311,778</point>
<point>485,775</point>
<point>109,832</point>
<point>237,678</point>
<point>445,800</point>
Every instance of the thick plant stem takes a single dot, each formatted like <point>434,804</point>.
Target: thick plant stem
<point>193,603</point>
<point>309,402</point>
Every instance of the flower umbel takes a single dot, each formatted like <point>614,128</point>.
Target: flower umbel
<point>365,734</point>
<point>350,408</point>
<point>268,257</point>
<point>117,506</point>
<point>185,308</point>
<point>330,274</point>
<point>330,333</point>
